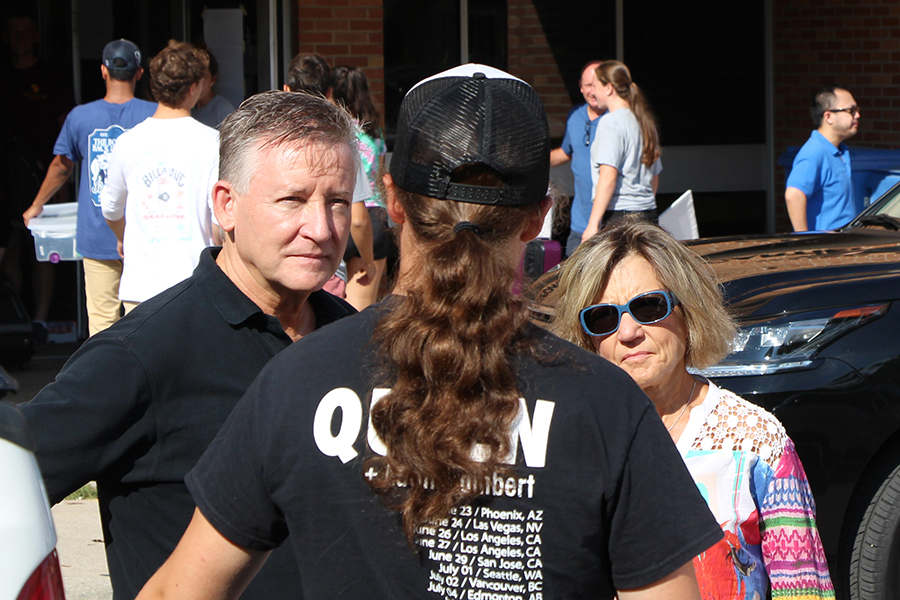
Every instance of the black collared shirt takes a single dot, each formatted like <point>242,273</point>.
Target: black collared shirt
<point>137,405</point>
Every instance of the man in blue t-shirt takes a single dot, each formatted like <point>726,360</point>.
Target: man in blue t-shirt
<point>819,192</point>
<point>581,125</point>
<point>89,135</point>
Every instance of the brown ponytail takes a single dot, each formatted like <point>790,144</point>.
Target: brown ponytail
<point>616,73</point>
<point>350,88</point>
<point>448,346</point>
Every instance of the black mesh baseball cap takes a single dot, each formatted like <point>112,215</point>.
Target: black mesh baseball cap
<point>473,115</point>
<point>121,55</point>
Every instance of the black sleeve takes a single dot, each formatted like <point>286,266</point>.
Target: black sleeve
<point>228,483</point>
<point>92,418</point>
<point>659,521</point>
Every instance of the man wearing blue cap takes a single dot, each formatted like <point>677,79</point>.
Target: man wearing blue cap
<point>89,135</point>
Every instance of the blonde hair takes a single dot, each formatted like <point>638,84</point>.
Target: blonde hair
<point>710,329</point>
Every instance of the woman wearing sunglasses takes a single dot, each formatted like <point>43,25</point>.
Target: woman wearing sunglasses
<point>648,304</point>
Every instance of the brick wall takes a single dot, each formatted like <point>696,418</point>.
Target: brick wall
<point>346,32</point>
<point>351,32</point>
<point>822,42</point>
<point>530,59</point>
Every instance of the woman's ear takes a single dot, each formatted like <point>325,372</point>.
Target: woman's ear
<point>394,208</point>
<point>534,225</point>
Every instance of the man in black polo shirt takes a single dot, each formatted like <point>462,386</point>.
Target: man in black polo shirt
<point>137,405</point>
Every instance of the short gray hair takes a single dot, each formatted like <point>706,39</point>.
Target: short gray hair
<point>271,119</point>
<point>710,330</point>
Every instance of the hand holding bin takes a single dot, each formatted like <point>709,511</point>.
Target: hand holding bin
<point>54,232</point>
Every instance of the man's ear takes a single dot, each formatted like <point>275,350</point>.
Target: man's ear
<point>104,72</point>
<point>138,74</point>
<point>285,88</point>
<point>394,208</point>
<point>223,199</point>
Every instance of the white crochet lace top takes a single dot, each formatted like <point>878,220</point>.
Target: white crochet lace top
<point>725,421</point>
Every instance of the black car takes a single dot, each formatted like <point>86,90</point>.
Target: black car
<point>819,347</point>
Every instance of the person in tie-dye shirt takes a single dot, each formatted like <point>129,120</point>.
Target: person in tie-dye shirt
<point>351,89</point>
<point>648,304</point>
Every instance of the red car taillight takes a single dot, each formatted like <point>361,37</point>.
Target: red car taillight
<point>46,581</point>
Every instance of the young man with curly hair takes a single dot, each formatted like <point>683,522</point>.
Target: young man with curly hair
<point>160,177</point>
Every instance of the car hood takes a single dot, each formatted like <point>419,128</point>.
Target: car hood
<point>766,275</point>
<point>773,274</point>
<point>737,257</point>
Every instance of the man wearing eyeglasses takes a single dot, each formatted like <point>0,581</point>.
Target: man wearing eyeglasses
<point>581,125</point>
<point>819,192</point>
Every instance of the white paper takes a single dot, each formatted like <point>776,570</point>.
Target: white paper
<point>679,219</point>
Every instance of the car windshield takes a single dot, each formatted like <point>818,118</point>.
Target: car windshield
<point>891,204</point>
<point>884,211</point>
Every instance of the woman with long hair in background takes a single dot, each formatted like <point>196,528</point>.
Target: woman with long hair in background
<point>625,153</point>
<point>351,89</point>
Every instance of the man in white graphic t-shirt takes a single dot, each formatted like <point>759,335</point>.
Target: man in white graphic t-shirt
<point>157,194</point>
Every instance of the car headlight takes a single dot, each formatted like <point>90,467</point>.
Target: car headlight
<point>789,342</point>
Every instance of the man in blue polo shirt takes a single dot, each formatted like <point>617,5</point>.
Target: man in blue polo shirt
<point>581,125</point>
<point>819,192</point>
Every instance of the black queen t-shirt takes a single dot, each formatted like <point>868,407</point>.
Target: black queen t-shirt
<point>585,512</point>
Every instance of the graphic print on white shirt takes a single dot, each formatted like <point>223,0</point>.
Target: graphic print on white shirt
<point>164,203</point>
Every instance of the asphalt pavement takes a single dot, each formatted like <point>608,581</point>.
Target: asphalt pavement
<point>79,535</point>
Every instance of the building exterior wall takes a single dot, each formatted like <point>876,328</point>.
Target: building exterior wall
<point>352,32</point>
<point>531,59</point>
<point>346,32</point>
<point>823,42</point>
<point>815,43</point>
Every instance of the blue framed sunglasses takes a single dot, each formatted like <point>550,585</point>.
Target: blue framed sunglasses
<point>646,309</point>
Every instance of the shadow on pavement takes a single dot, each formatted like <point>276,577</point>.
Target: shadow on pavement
<point>40,370</point>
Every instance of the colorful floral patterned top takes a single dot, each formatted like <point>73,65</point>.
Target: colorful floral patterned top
<point>748,470</point>
<point>371,150</point>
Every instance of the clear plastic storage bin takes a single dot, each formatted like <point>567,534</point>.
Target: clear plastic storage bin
<point>54,232</point>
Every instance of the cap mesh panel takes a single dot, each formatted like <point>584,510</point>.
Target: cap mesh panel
<point>449,122</point>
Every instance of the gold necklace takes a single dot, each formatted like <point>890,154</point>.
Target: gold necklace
<point>691,395</point>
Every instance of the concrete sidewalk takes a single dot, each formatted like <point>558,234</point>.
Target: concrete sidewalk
<point>82,558</point>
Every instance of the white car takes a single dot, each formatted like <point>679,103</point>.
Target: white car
<point>29,565</point>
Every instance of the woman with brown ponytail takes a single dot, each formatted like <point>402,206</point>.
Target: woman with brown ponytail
<point>350,88</point>
<point>438,446</point>
<point>625,152</point>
